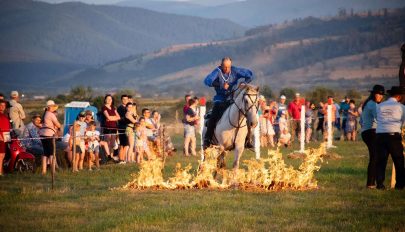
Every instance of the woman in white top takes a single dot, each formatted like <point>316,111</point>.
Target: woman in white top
<point>50,129</point>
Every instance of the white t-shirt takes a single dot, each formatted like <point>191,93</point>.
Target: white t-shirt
<point>92,136</point>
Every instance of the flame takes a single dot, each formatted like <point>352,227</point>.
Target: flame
<point>268,174</point>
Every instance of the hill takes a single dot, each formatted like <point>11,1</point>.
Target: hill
<point>261,12</point>
<point>343,52</point>
<point>94,34</point>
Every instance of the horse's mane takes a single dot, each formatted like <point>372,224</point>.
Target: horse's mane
<point>245,88</point>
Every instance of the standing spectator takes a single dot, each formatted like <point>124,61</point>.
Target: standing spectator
<point>17,114</point>
<point>186,105</point>
<point>31,141</point>
<point>351,123</point>
<point>111,118</point>
<point>75,134</point>
<point>344,109</point>
<point>368,134</point>
<point>189,128</point>
<point>294,110</point>
<point>281,107</point>
<point>131,118</point>
<point>321,119</point>
<point>390,118</point>
<point>93,138</point>
<point>337,121</point>
<point>333,116</point>
<point>50,128</point>
<point>308,120</point>
<point>122,125</point>
<point>7,104</point>
<point>80,137</point>
<point>4,132</point>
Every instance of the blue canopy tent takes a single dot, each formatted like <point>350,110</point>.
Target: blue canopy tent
<point>73,109</point>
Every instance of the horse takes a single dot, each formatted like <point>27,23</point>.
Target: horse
<point>232,129</point>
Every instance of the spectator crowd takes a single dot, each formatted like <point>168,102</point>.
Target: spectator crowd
<point>127,137</point>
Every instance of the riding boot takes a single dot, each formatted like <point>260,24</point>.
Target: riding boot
<point>248,142</point>
<point>209,133</point>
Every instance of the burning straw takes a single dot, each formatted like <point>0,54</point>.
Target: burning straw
<point>267,174</point>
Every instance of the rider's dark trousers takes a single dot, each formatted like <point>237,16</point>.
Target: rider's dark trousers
<point>217,111</point>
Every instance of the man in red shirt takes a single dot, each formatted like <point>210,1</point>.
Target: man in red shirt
<point>294,110</point>
<point>4,129</point>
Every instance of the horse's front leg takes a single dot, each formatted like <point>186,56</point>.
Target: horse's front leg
<point>238,153</point>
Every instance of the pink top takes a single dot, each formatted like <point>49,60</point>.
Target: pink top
<point>49,124</point>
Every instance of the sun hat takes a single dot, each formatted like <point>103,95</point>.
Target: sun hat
<point>50,103</point>
<point>14,93</point>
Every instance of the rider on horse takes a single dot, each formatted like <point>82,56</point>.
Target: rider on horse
<point>223,79</point>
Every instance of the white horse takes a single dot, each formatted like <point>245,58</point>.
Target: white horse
<point>232,129</point>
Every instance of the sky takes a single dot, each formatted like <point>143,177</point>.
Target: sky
<point>101,1</point>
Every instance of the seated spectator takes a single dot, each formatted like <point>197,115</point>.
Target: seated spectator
<point>285,138</point>
<point>31,139</point>
<point>151,130</point>
<point>88,116</point>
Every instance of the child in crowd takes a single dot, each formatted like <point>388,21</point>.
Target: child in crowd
<point>141,133</point>
<point>351,124</point>
<point>285,136</point>
<point>138,143</point>
<point>83,127</point>
<point>93,138</point>
<point>75,132</point>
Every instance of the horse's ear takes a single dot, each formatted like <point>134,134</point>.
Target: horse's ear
<point>257,88</point>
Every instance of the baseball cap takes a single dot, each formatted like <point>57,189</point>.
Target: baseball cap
<point>82,114</point>
<point>282,97</point>
<point>297,94</point>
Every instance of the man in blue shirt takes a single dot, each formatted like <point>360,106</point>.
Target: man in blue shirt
<point>224,78</point>
<point>344,109</point>
<point>390,118</point>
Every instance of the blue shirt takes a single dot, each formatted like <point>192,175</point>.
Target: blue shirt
<point>344,107</point>
<point>369,116</point>
<point>217,79</point>
<point>390,116</point>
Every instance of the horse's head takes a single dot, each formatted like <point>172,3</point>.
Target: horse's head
<point>248,104</point>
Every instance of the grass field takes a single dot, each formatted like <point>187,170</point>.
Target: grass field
<point>85,202</point>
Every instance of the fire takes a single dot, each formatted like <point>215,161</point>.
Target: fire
<point>268,174</point>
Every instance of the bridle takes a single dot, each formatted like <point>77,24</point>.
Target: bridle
<point>242,111</point>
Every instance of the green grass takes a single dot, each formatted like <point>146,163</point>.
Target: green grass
<point>85,202</point>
